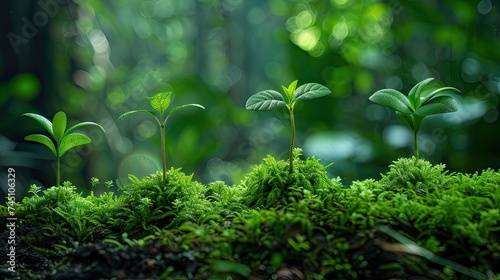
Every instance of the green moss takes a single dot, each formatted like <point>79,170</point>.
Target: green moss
<point>225,200</point>
<point>149,205</point>
<point>411,175</point>
<point>304,220</point>
<point>270,184</point>
<point>484,184</point>
<point>63,211</point>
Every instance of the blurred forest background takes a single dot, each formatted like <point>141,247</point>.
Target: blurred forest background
<point>98,59</point>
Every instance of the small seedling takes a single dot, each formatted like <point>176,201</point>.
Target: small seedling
<point>62,139</point>
<point>420,103</point>
<point>160,103</point>
<point>270,99</point>
<point>108,184</point>
<point>94,182</point>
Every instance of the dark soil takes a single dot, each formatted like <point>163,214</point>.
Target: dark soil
<point>106,260</point>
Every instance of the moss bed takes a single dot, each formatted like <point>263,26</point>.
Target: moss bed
<point>417,222</point>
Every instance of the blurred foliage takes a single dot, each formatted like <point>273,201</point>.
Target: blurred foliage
<point>99,59</point>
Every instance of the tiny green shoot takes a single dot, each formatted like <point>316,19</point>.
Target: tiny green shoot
<point>160,103</point>
<point>94,181</point>
<point>422,101</point>
<point>270,99</point>
<point>62,139</point>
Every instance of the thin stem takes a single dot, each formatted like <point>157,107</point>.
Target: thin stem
<point>415,139</point>
<point>58,171</point>
<point>292,140</point>
<point>163,156</point>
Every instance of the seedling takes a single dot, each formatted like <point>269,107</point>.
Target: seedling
<point>419,104</point>
<point>160,103</point>
<point>270,99</point>
<point>62,139</point>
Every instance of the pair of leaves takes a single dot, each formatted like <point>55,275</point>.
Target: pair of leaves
<point>160,103</point>
<point>421,101</point>
<point>270,99</point>
<point>64,139</point>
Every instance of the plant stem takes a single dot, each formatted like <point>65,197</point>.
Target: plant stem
<point>292,140</point>
<point>58,171</point>
<point>415,139</point>
<point>163,156</point>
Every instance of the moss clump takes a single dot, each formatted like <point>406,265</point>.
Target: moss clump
<point>311,224</point>
<point>410,175</point>
<point>453,215</point>
<point>484,184</point>
<point>225,200</point>
<point>270,184</point>
<point>149,205</point>
<point>61,211</point>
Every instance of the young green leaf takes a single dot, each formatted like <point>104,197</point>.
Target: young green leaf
<point>42,139</point>
<point>42,120</point>
<point>289,92</point>
<point>183,106</point>
<point>421,102</point>
<point>63,139</point>
<point>393,99</point>
<point>271,99</point>
<point>59,125</point>
<point>71,141</point>
<point>152,113</point>
<point>79,125</point>
<point>265,100</point>
<point>416,92</point>
<point>438,105</point>
<point>438,92</point>
<point>160,101</point>
<point>310,91</point>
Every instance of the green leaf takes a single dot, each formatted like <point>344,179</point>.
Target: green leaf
<point>265,100</point>
<point>416,92</point>
<point>59,125</point>
<point>439,92</point>
<point>71,141</point>
<point>42,120</point>
<point>231,267</point>
<point>290,90</point>
<point>42,139</point>
<point>292,86</point>
<point>311,90</point>
<point>438,105</point>
<point>160,101</point>
<point>152,113</point>
<point>183,106</point>
<point>79,125</point>
<point>393,99</point>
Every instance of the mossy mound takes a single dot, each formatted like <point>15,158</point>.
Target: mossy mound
<point>416,221</point>
<point>270,183</point>
<point>415,175</point>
